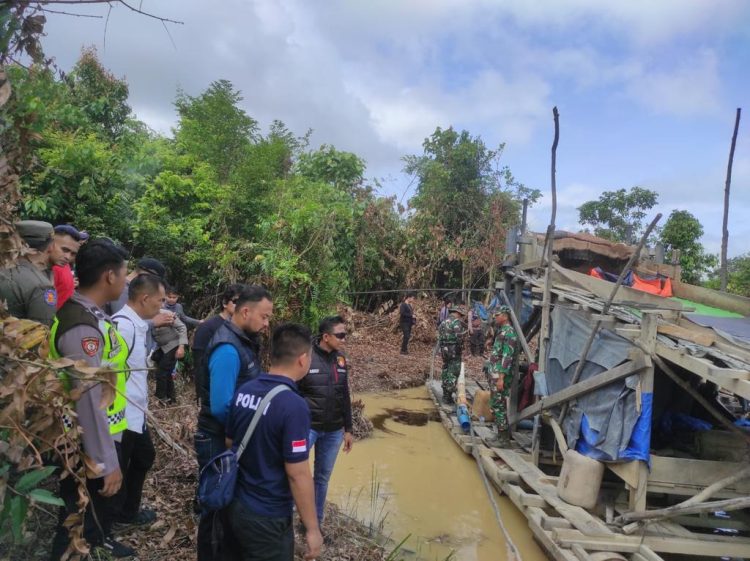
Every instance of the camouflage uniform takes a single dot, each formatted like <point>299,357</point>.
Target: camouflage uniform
<point>502,357</point>
<point>451,340</point>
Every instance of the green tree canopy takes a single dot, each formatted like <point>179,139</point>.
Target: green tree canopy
<point>682,231</point>
<point>618,215</point>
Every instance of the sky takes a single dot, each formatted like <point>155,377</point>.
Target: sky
<point>647,91</point>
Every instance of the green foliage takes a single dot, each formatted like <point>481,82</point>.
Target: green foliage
<point>682,231</point>
<point>223,202</point>
<point>738,276</point>
<point>213,128</point>
<point>343,170</point>
<point>618,215</point>
<point>17,494</point>
<point>455,232</point>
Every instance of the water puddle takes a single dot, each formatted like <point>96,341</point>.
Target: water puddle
<point>411,478</point>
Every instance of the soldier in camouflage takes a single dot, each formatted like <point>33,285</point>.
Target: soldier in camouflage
<point>451,340</point>
<point>502,357</point>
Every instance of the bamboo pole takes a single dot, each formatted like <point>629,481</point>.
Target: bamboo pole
<point>726,505</point>
<point>605,310</point>
<point>725,223</point>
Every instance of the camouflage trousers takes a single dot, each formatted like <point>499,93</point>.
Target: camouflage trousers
<point>499,402</point>
<point>449,376</point>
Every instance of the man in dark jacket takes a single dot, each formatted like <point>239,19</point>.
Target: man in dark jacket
<point>207,328</point>
<point>406,320</point>
<point>231,359</point>
<point>326,389</point>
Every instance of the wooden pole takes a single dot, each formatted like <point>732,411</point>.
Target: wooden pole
<point>544,337</point>
<point>724,227</point>
<point>725,505</point>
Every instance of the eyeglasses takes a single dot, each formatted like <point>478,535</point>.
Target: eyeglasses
<point>341,336</point>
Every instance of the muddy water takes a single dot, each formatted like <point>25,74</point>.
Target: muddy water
<point>426,486</point>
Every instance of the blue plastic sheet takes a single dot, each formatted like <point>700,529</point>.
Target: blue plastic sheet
<point>640,439</point>
<point>611,277</point>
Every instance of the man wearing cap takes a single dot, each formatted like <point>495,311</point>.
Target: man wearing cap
<point>27,286</point>
<point>65,248</point>
<point>501,371</point>
<point>451,341</point>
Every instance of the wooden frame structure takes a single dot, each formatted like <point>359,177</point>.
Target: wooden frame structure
<point>663,341</point>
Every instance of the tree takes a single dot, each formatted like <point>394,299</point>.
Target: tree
<point>458,180</point>
<point>682,231</point>
<point>214,128</point>
<point>618,215</point>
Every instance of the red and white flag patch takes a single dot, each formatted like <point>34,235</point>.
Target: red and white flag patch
<point>299,446</point>
<point>90,345</point>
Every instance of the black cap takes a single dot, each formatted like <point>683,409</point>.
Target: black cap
<point>152,266</point>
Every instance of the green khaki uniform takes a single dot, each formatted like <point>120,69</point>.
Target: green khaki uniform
<point>502,358</point>
<point>29,292</point>
<point>450,340</point>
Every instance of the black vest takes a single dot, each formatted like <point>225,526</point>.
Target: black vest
<point>324,389</point>
<point>248,349</point>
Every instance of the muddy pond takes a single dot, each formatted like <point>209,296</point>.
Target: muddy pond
<point>412,480</point>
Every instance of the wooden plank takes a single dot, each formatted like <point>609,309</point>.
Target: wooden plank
<point>522,499</point>
<point>647,554</point>
<point>711,523</point>
<point>532,475</point>
<point>683,474</point>
<point>698,337</point>
<point>723,377</point>
<point>723,300</point>
<point>580,553</point>
<point>627,471</point>
<point>545,538</point>
<point>586,386</point>
<point>730,546</point>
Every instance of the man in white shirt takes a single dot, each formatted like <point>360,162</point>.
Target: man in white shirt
<point>146,296</point>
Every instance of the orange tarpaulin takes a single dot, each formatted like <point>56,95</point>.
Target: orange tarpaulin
<point>657,286</point>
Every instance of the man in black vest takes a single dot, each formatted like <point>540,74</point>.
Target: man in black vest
<point>231,359</point>
<point>326,389</point>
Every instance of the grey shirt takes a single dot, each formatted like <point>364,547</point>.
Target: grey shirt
<point>85,342</point>
<point>180,312</point>
<point>171,336</point>
<point>29,292</point>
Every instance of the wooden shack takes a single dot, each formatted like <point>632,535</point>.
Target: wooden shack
<point>657,361</point>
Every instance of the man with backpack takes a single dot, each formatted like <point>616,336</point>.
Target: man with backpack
<point>451,340</point>
<point>274,473</point>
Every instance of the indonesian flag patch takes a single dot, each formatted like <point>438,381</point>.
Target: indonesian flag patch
<point>342,361</point>
<point>90,345</point>
<point>299,446</point>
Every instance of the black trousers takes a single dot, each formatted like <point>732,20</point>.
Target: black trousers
<point>261,538</point>
<point>208,445</point>
<point>165,363</point>
<point>97,522</point>
<point>406,328</point>
<point>137,455</point>
<point>476,342</point>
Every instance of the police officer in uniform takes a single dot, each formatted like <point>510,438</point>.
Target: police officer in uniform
<point>28,286</point>
<point>451,340</point>
<point>82,331</point>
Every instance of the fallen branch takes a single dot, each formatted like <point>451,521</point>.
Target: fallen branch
<point>726,505</point>
<point>164,436</point>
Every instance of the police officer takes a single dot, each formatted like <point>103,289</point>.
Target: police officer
<point>28,287</point>
<point>451,341</point>
<point>232,358</point>
<point>82,331</point>
<point>500,376</point>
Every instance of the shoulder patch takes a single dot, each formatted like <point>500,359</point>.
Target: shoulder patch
<point>50,297</point>
<point>341,361</point>
<point>90,345</point>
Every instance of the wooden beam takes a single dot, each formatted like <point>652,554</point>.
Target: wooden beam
<point>602,289</point>
<point>532,476</point>
<point>729,547</point>
<point>671,330</point>
<point>730,302</point>
<point>735,381</point>
<point>695,474</point>
<point>581,388</point>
